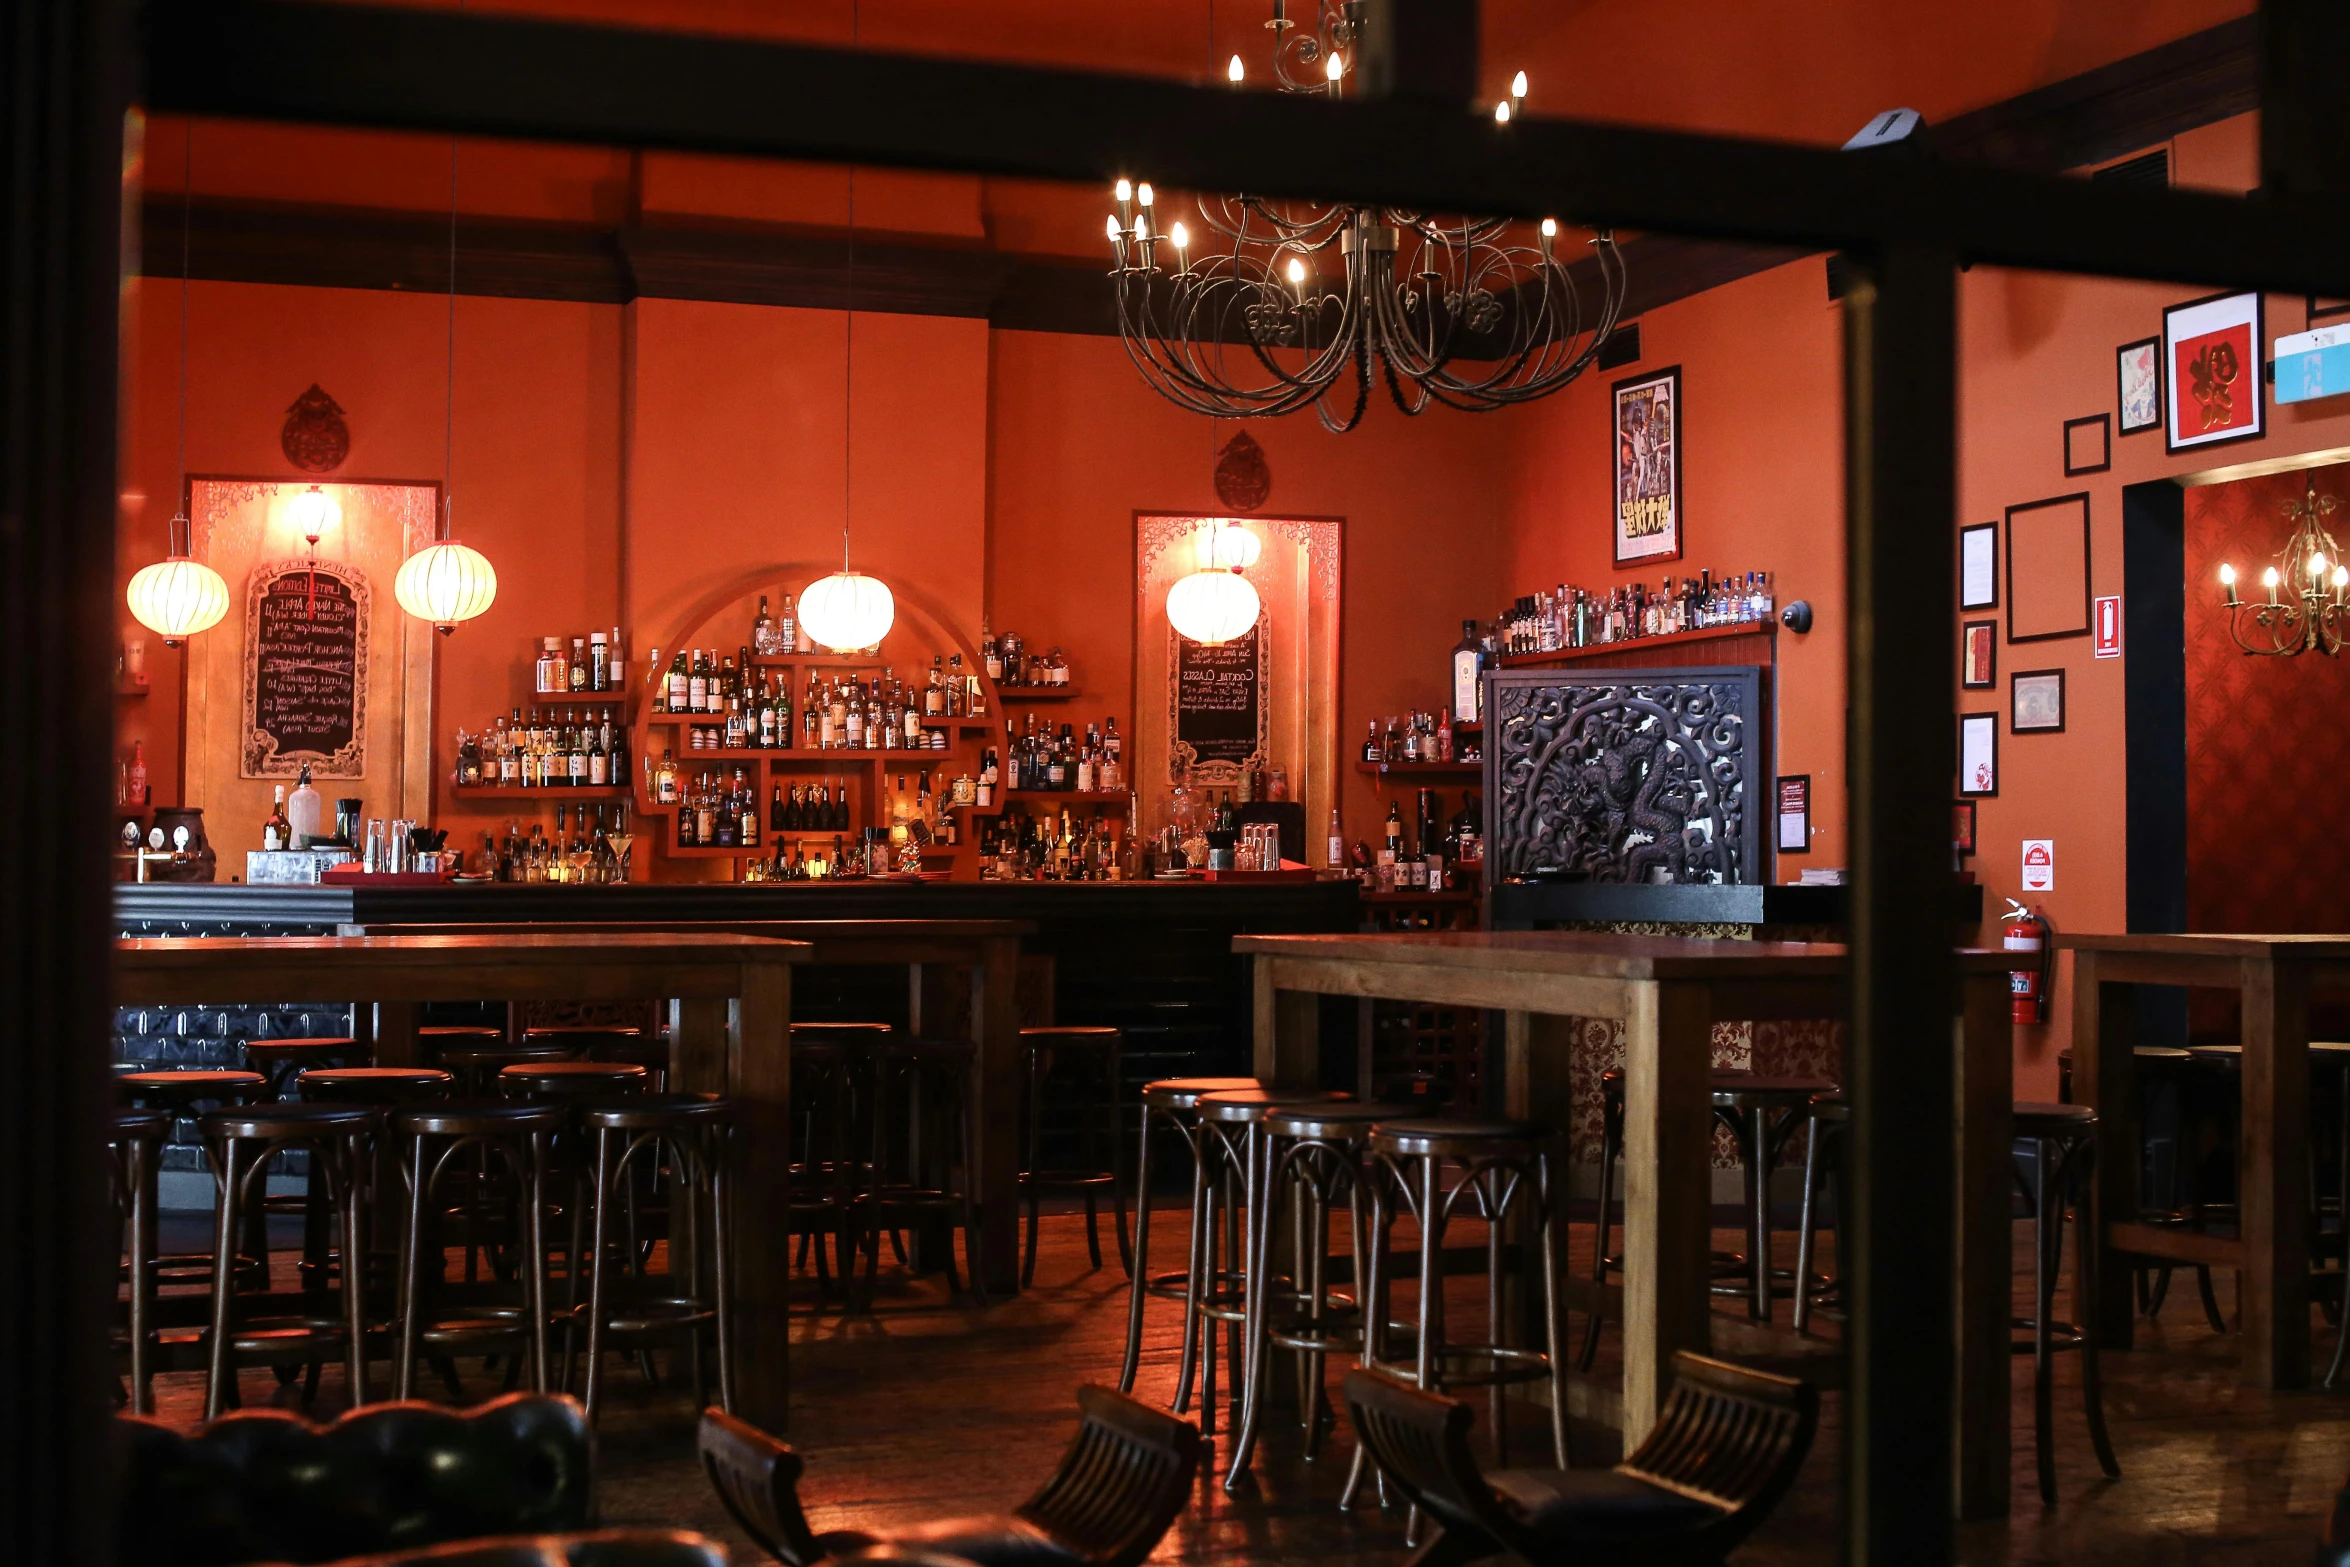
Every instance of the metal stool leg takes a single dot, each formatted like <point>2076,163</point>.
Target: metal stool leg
<point>1138,1261</point>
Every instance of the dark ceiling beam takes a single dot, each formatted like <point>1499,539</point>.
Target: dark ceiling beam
<point>502,76</point>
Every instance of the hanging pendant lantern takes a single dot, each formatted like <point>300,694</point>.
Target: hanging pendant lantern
<point>446,583</point>
<point>848,611</point>
<point>1213,607</point>
<point>178,597</point>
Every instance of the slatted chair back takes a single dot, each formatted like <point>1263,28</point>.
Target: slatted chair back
<point>1728,1436</point>
<point>1420,1441</point>
<point>1125,1476</point>
<point>758,1477</point>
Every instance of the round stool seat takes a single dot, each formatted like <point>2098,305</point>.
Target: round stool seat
<point>659,1112</point>
<point>1183,1093</point>
<point>133,1125</point>
<point>2035,1118</point>
<point>284,1052</point>
<point>840,1033</point>
<point>434,1035</point>
<point>569,1079</point>
<point>1830,1106</point>
<point>2330,1047</point>
<point>1070,1037</point>
<point>374,1085</point>
<point>1239,1106</point>
<point>1753,1091</point>
<point>581,1037</point>
<point>1433,1137</point>
<point>270,1122</point>
<point>478,1118</point>
<point>2161,1053</point>
<point>458,1058</point>
<point>1329,1120</point>
<point>186,1088</point>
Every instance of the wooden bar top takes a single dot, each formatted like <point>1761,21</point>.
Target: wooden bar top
<point>535,966</point>
<point>2304,949</point>
<point>704,946</point>
<point>1587,954</point>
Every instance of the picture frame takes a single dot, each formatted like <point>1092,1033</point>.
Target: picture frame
<point>2088,444</point>
<point>1978,755</point>
<point>1791,830</point>
<point>2322,309</point>
<point>2035,702</point>
<point>1962,826</point>
<point>2214,362</point>
<point>2137,375</point>
<point>1647,431</point>
<point>2048,568</point>
<point>1978,566</point>
<point>1978,655</point>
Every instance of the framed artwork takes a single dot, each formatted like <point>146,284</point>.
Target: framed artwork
<point>1962,826</point>
<point>2088,444</point>
<point>1978,661</point>
<point>1978,566</point>
<point>2321,309</point>
<point>1978,754</point>
<point>2048,568</point>
<point>1648,467</point>
<point>2213,384</point>
<point>2035,702</point>
<point>1794,791</point>
<point>2138,373</point>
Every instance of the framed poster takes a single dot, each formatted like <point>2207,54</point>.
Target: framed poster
<point>1217,702</point>
<point>1978,754</point>
<point>1648,467</point>
<point>1978,656</point>
<point>1978,566</point>
<point>2323,309</point>
<point>307,628</point>
<point>2137,369</point>
<point>1962,826</point>
<point>2088,444</point>
<point>2048,568</point>
<point>2214,387</point>
<point>2035,702</point>
<point>1795,813</point>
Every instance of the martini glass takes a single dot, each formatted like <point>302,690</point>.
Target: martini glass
<point>621,843</point>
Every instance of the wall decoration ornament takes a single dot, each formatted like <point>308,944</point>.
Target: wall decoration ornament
<point>2088,444</point>
<point>2214,390</point>
<point>2137,369</point>
<point>1978,662</point>
<point>315,439</point>
<point>2035,702</point>
<point>1978,754</point>
<point>1631,776</point>
<point>1647,427</point>
<point>1244,481</point>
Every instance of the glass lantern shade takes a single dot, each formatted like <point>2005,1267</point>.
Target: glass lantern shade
<point>847,611</point>
<point>1212,607</point>
<point>177,598</point>
<point>446,583</point>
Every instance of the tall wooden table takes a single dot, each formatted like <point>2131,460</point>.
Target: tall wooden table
<point>2274,976</point>
<point>988,950</point>
<point>730,996</point>
<point>1669,991</point>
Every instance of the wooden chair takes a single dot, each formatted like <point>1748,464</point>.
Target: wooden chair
<point>596,1548</point>
<point>1723,1453</point>
<point>1127,1473</point>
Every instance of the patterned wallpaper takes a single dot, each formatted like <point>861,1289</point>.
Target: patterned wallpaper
<point>2266,745</point>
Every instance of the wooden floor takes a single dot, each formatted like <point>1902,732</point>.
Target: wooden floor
<point>927,1408</point>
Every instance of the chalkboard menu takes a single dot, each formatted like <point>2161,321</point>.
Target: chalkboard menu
<point>1219,699</point>
<point>305,698</point>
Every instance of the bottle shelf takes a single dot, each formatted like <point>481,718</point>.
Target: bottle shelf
<point>1420,769</point>
<point>625,700</point>
<point>1576,655</point>
<point>800,753</point>
<point>1101,796</point>
<point>817,661</point>
<point>1013,696</point>
<point>557,792</point>
<point>703,851</point>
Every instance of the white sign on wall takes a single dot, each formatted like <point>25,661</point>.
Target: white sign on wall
<point>2039,865</point>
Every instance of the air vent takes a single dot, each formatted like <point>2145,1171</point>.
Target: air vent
<point>2147,171</point>
<point>1621,348</point>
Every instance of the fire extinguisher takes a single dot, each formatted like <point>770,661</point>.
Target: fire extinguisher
<point>2030,935</point>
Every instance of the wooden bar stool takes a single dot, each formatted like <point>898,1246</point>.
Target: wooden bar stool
<point>180,1093</point>
<point>1086,1059</point>
<point>381,1088</point>
<point>433,1038</point>
<point>1170,1104</point>
<point>514,1134</point>
<point>824,1165</point>
<point>925,1093</point>
<point>281,1060</point>
<point>476,1067</point>
<point>1826,1121</point>
<point>1231,1205</point>
<point>1310,1157</point>
<point>647,1048</point>
<point>1502,1168</point>
<point>135,1154</point>
<point>244,1140</point>
<point>2064,1141</point>
<point>692,1301</point>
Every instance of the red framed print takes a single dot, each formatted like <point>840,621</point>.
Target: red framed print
<point>2137,369</point>
<point>2212,353</point>
<point>1648,467</point>
<point>1962,826</point>
<point>1978,655</point>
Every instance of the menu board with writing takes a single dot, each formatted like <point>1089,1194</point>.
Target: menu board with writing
<point>1219,704</point>
<point>305,696</point>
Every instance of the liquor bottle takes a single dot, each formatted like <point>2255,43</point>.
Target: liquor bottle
<point>577,674</point>
<point>763,631</point>
<point>1468,670</point>
<point>746,810</point>
<point>138,789</point>
<point>665,781</point>
<point>679,685</point>
<point>1113,756</point>
<point>1056,767</point>
<point>706,810</point>
<point>787,628</point>
<point>1394,831</point>
<point>853,720</point>
<point>616,747</point>
<point>599,760</point>
<point>576,759</point>
<point>277,832</point>
<point>1084,780</point>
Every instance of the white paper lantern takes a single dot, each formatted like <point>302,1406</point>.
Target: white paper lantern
<point>1212,607</point>
<point>847,611</point>
<point>1222,546</point>
<point>446,583</point>
<point>177,598</point>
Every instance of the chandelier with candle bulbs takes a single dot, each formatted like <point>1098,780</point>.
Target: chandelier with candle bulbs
<point>2308,589</point>
<point>1275,305</point>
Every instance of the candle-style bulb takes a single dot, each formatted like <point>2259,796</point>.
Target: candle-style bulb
<point>1179,235</point>
<point>1518,85</point>
<point>2227,575</point>
<point>1297,271</point>
<point>1501,112</point>
<point>1113,225</point>
<point>1336,66</point>
<point>2268,578</point>
<point>2317,564</point>
<point>1142,194</point>
<point>1233,72</point>
<point>1550,228</point>
<point>1124,190</point>
<point>2341,577</point>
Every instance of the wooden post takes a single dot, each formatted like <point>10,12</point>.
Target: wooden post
<point>995,1018</point>
<point>1668,1192</point>
<point>2105,1078</point>
<point>1985,1059</point>
<point>754,1047</point>
<point>395,1033</point>
<point>1288,1032</point>
<point>700,1047</point>
<point>2275,1165</point>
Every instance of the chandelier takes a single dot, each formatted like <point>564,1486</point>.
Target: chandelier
<point>1276,305</point>
<point>2304,618</point>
